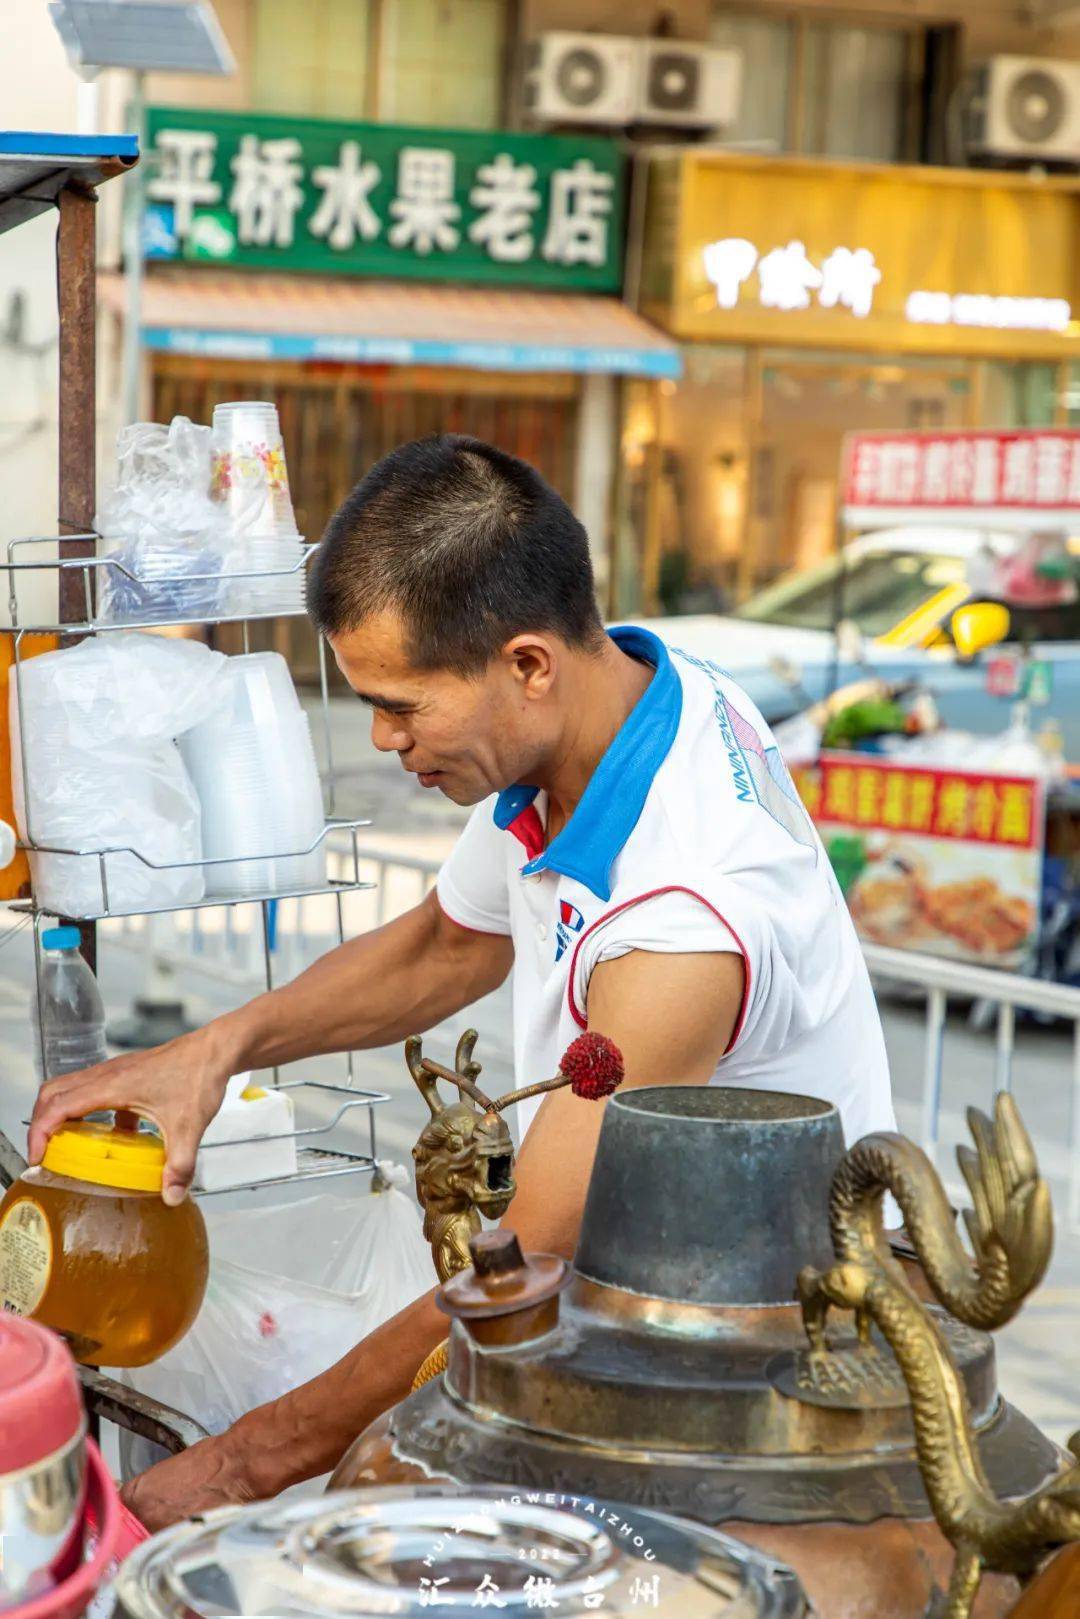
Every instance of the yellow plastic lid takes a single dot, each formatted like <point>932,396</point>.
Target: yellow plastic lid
<point>131,1160</point>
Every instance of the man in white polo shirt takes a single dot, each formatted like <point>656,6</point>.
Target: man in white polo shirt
<point>638,858</point>
<point>689,837</point>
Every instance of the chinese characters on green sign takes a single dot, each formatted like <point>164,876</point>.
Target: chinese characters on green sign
<point>373,199</point>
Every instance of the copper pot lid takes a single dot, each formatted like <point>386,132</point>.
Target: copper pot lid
<point>404,1551</point>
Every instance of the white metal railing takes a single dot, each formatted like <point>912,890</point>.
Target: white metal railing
<point>226,944</point>
<point>939,979</point>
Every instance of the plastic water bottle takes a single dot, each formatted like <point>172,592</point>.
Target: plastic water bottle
<point>71,1008</point>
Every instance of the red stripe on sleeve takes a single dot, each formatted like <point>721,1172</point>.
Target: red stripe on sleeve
<point>639,899</point>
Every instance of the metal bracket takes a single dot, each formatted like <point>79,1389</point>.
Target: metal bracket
<point>110,1401</point>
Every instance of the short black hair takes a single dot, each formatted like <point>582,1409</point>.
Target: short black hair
<point>469,545</point>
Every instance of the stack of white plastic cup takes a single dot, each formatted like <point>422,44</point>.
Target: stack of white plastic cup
<point>250,477</point>
<point>254,770</point>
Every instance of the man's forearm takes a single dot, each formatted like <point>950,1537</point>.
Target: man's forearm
<point>395,981</point>
<point>307,1431</point>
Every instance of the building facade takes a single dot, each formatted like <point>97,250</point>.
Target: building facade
<point>813,298</point>
<point>692,416</point>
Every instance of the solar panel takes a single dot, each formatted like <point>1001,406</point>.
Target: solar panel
<point>173,36</point>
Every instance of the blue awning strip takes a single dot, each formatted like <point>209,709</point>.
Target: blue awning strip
<point>247,345</point>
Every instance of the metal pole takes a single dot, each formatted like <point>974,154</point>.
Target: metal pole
<point>350,1068</point>
<point>935,1034</point>
<point>330,791</point>
<point>1006,1035</point>
<point>76,263</point>
<point>264,907</point>
<point>133,263</point>
<point>1074,1133</point>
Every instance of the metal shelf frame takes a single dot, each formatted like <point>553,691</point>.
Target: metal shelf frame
<point>315,1163</point>
<point>89,567</point>
<point>331,886</point>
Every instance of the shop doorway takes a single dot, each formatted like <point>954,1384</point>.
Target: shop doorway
<point>730,476</point>
<point>795,429</point>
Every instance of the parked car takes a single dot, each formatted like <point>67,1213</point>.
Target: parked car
<point>895,592</point>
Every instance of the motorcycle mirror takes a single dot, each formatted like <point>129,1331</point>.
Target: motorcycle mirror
<point>978,626</point>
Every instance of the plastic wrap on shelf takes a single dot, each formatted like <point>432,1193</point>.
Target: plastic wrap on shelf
<point>105,770</point>
<point>253,766</point>
<point>199,524</point>
<point>172,542</point>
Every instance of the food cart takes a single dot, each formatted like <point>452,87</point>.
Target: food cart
<point>945,842</point>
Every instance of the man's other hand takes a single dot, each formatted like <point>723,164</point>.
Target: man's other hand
<point>208,1475</point>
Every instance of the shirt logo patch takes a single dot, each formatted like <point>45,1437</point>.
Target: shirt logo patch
<point>570,922</point>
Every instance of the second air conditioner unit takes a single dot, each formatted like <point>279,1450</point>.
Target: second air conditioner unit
<point>1028,106</point>
<point>581,79</point>
<point>692,85</point>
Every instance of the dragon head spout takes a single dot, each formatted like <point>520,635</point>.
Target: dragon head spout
<point>465,1158</point>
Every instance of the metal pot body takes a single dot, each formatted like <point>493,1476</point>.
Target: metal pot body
<point>676,1376</point>
<point>894,1568</point>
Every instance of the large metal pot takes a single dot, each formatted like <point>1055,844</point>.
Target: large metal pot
<point>402,1552</point>
<point>669,1366</point>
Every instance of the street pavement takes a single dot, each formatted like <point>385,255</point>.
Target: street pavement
<point>1038,1354</point>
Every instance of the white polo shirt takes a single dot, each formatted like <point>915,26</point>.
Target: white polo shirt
<point>689,837</point>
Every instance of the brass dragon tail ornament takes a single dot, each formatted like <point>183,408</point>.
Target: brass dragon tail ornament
<point>1011,1233</point>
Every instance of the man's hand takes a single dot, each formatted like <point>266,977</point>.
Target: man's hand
<point>206,1476</point>
<point>179,1086</point>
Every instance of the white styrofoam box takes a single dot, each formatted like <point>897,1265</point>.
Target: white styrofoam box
<point>248,1111</point>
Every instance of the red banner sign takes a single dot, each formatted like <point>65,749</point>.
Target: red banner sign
<point>936,803</point>
<point>1033,476</point>
<point>948,861</point>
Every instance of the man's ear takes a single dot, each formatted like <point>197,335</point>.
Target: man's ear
<point>532,660</point>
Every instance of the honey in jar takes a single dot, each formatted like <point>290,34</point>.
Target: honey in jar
<point>88,1248</point>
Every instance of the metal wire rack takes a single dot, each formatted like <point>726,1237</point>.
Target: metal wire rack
<point>315,1162</point>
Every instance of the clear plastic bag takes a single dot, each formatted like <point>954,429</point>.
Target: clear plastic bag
<point>292,1289</point>
<point>105,771</point>
<point>161,525</point>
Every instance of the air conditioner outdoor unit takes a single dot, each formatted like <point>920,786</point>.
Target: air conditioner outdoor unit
<point>1029,106</point>
<point>695,85</point>
<point>581,78</point>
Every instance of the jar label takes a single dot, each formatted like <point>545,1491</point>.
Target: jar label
<point>25,1257</point>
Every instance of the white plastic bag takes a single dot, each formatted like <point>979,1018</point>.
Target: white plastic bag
<point>292,1289</point>
<point>105,771</point>
<point>159,522</point>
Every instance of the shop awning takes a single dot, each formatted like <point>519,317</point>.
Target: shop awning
<point>237,315</point>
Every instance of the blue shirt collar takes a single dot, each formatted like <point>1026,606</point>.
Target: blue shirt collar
<point>611,805</point>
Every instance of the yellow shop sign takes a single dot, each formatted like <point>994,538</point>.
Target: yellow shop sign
<point>785,251</point>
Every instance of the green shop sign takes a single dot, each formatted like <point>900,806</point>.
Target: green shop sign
<point>381,200</point>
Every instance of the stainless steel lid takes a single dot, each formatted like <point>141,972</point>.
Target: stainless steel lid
<point>404,1551</point>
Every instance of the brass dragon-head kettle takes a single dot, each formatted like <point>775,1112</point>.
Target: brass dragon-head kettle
<point>735,1343</point>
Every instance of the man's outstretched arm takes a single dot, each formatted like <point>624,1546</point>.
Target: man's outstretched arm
<point>672,1017</point>
<point>373,991</point>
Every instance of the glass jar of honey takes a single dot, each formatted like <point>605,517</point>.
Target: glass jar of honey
<point>88,1248</point>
